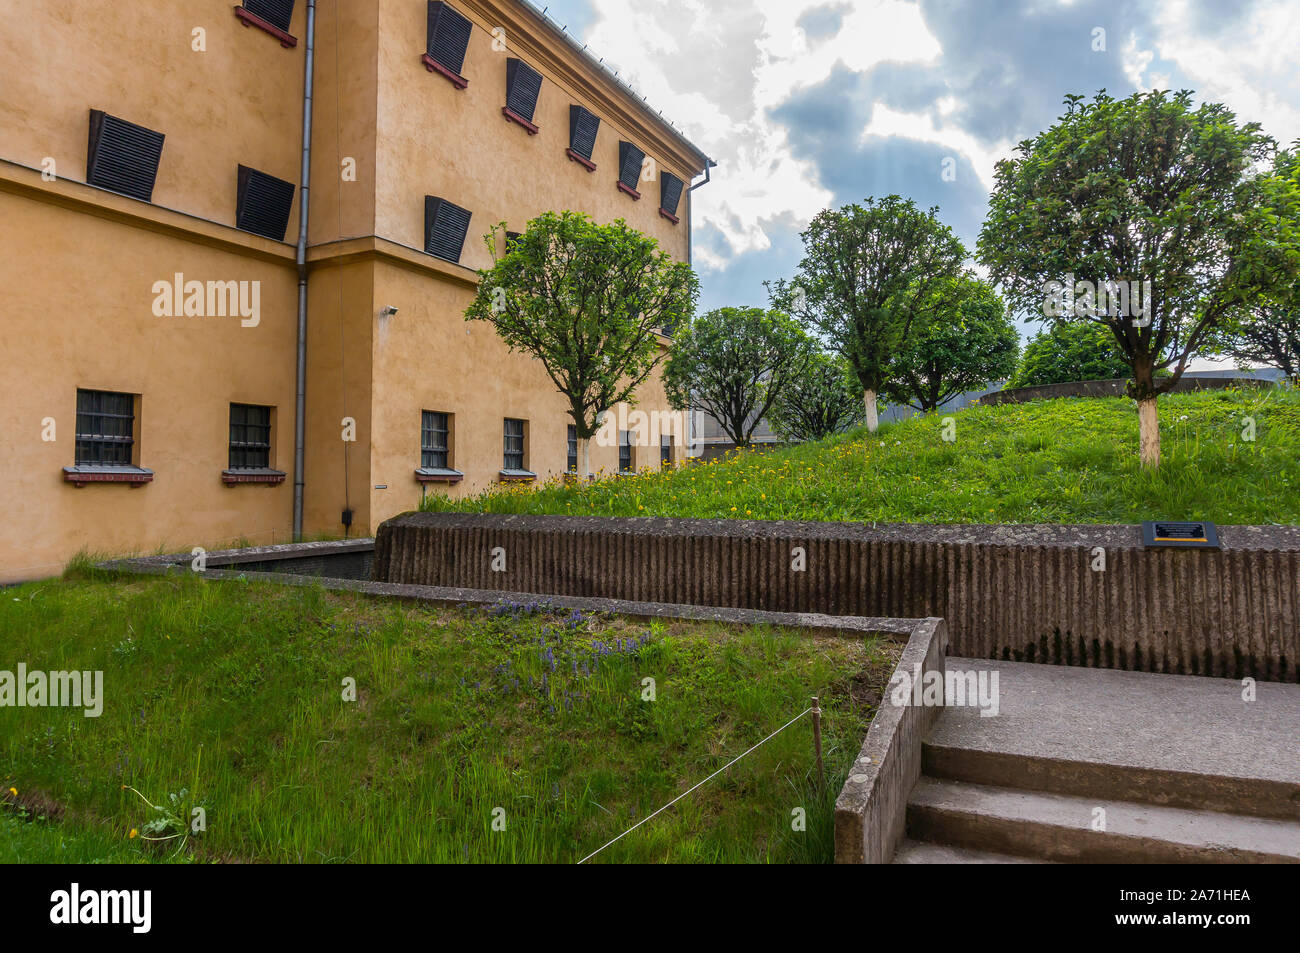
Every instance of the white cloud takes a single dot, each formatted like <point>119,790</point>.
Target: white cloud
<point>758,178</point>
<point>717,67</point>
<point>920,127</point>
<point>1251,67</point>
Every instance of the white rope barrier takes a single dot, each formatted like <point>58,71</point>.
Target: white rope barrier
<point>690,789</point>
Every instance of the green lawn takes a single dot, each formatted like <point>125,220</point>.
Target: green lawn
<point>459,712</point>
<point>1057,461</point>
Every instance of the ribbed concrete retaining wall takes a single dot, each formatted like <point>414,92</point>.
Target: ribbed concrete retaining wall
<point>1027,593</point>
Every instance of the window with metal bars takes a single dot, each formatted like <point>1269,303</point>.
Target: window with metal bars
<point>665,451</point>
<point>250,437</point>
<point>448,37</point>
<point>105,428</point>
<point>122,157</point>
<point>514,444</point>
<point>434,442</point>
<point>571,463</point>
<point>625,451</point>
<point>445,227</point>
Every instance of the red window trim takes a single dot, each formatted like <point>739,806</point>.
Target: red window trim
<point>134,478</point>
<point>513,116</point>
<point>433,66</point>
<point>582,160</point>
<point>252,19</point>
<point>233,477</point>
<point>669,215</point>
<point>624,187</point>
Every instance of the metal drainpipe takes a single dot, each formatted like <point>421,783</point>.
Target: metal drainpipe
<point>690,257</point>
<point>304,206</point>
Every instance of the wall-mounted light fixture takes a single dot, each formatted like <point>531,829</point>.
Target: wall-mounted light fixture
<point>388,312</point>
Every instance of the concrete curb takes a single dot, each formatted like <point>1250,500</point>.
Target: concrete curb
<point>871,810</point>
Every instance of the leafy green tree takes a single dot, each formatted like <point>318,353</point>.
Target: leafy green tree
<point>1270,336</point>
<point>588,302</point>
<point>867,280</point>
<point>821,401</point>
<point>1074,351</point>
<point>1147,196</point>
<point>734,363</point>
<point>968,342</point>
<point>1270,333</point>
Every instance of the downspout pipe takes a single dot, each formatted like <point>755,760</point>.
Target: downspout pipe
<point>708,164</point>
<point>690,257</point>
<point>304,206</point>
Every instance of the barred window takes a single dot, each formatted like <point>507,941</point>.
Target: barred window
<point>250,437</point>
<point>514,444</point>
<point>625,451</point>
<point>572,464</point>
<point>105,428</point>
<point>433,441</point>
<point>665,451</point>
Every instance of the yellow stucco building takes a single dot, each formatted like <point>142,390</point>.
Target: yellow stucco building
<point>151,186</point>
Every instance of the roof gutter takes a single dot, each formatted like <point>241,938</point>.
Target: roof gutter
<point>599,65</point>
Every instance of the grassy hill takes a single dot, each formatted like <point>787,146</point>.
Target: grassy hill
<point>1061,461</point>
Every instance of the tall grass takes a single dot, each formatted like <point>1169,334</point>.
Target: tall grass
<point>462,717</point>
<point>1057,461</point>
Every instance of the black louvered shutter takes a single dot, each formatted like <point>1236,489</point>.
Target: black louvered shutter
<point>445,226</point>
<point>630,159</point>
<point>523,84</point>
<point>122,156</point>
<point>448,36</point>
<point>263,204</point>
<point>670,192</point>
<point>278,13</point>
<point>583,127</point>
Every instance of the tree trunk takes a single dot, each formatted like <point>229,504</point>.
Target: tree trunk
<point>869,402</point>
<point>1148,432</point>
<point>586,460</point>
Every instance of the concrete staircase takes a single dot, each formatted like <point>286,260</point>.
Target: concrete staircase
<point>1097,766</point>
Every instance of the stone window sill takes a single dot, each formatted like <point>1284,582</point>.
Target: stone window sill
<point>259,475</point>
<point>513,116</point>
<point>624,187</point>
<point>79,476</point>
<point>669,215</point>
<point>581,160</point>
<point>438,475</point>
<point>433,66</point>
<point>517,476</point>
<point>252,19</point>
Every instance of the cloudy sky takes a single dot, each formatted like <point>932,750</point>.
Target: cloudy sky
<point>807,104</point>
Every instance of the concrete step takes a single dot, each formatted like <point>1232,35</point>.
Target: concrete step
<point>1170,740</point>
<point>920,852</point>
<point>1059,827</point>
